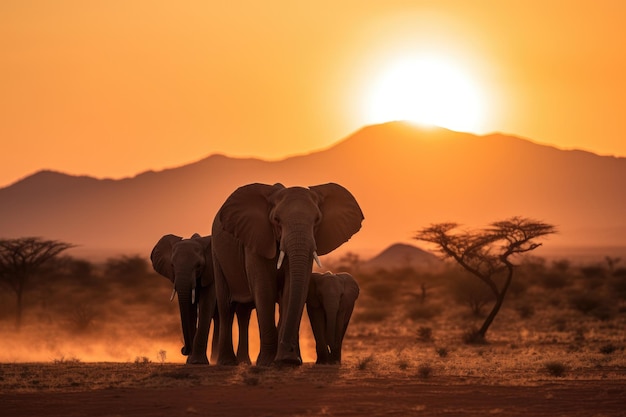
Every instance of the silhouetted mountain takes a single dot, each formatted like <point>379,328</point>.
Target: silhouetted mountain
<point>400,256</point>
<point>404,178</point>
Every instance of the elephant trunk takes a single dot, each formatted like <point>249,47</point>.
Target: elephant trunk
<point>188,313</point>
<point>299,273</point>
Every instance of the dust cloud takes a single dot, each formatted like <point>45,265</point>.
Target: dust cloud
<point>118,311</point>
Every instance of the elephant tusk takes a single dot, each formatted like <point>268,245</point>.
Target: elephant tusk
<point>280,259</point>
<point>173,294</point>
<point>317,259</point>
<point>193,296</point>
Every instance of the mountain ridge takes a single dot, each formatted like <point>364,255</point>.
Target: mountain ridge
<point>404,177</point>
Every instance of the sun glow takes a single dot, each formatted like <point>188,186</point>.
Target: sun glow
<point>429,91</point>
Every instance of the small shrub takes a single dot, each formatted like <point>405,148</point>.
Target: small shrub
<point>142,360</point>
<point>425,334</point>
<point>585,303</point>
<point>555,368</point>
<point>442,352</point>
<point>555,281</point>
<point>603,312</point>
<point>608,349</point>
<point>424,371</point>
<point>364,363</point>
<point>403,364</point>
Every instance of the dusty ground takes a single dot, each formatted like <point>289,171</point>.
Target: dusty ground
<point>357,388</point>
<point>545,356</point>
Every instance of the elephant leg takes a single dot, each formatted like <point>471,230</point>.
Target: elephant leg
<point>226,354</point>
<point>343,320</point>
<point>205,305</point>
<point>243,312</point>
<point>216,335</point>
<point>318,325</point>
<point>261,276</point>
<point>267,333</point>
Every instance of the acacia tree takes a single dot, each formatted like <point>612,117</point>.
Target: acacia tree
<point>486,253</point>
<point>21,259</point>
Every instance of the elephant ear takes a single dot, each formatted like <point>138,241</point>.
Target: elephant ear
<point>341,217</point>
<point>245,214</point>
<point>207,278</point>
<point>351,287</point>
<point>161,255</point>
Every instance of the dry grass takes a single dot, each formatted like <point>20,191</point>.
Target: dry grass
<point>134,341</point>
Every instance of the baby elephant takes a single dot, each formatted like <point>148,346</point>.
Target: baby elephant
<point>329,305</point>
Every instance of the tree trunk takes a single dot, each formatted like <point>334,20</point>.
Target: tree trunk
<point>496,308</point>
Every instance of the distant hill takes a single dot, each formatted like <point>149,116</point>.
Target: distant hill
<point>404,177</point>
<point>402,255</point>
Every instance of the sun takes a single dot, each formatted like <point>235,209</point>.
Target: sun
<point>426,90</point>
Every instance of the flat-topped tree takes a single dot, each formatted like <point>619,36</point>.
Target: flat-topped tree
<point>487,252</point>
<point>22,258</point>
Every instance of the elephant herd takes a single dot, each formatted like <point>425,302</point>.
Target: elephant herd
<point>264,240</point>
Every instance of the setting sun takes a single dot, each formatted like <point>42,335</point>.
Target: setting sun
<point>427,90</point>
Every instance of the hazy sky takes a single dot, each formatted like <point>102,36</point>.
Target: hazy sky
<point>112,88</point>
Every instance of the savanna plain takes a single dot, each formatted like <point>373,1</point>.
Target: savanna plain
<point>103,340</point>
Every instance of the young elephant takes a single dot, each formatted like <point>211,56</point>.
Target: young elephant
<point>329,305</point>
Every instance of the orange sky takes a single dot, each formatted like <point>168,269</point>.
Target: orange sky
<point>111,88</point>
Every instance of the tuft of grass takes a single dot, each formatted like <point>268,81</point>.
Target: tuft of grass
<point>63,359</point>
<point>364,363</point>
<point>555,368</point>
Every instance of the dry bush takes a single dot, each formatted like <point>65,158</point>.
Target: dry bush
<point>555,368</point>
<point>424,371</point>
<point>425,334</point>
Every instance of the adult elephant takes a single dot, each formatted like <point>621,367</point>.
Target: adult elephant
<point>265,238</point>
<point>188,264</point>
<point>329,306</point>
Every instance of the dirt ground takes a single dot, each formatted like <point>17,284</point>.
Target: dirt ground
<point>112,389</point>
<point>548,353</point>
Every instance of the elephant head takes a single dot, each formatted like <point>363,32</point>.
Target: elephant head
<point>330,303</point>
<point>187,264</point>
<point>290,226</point>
